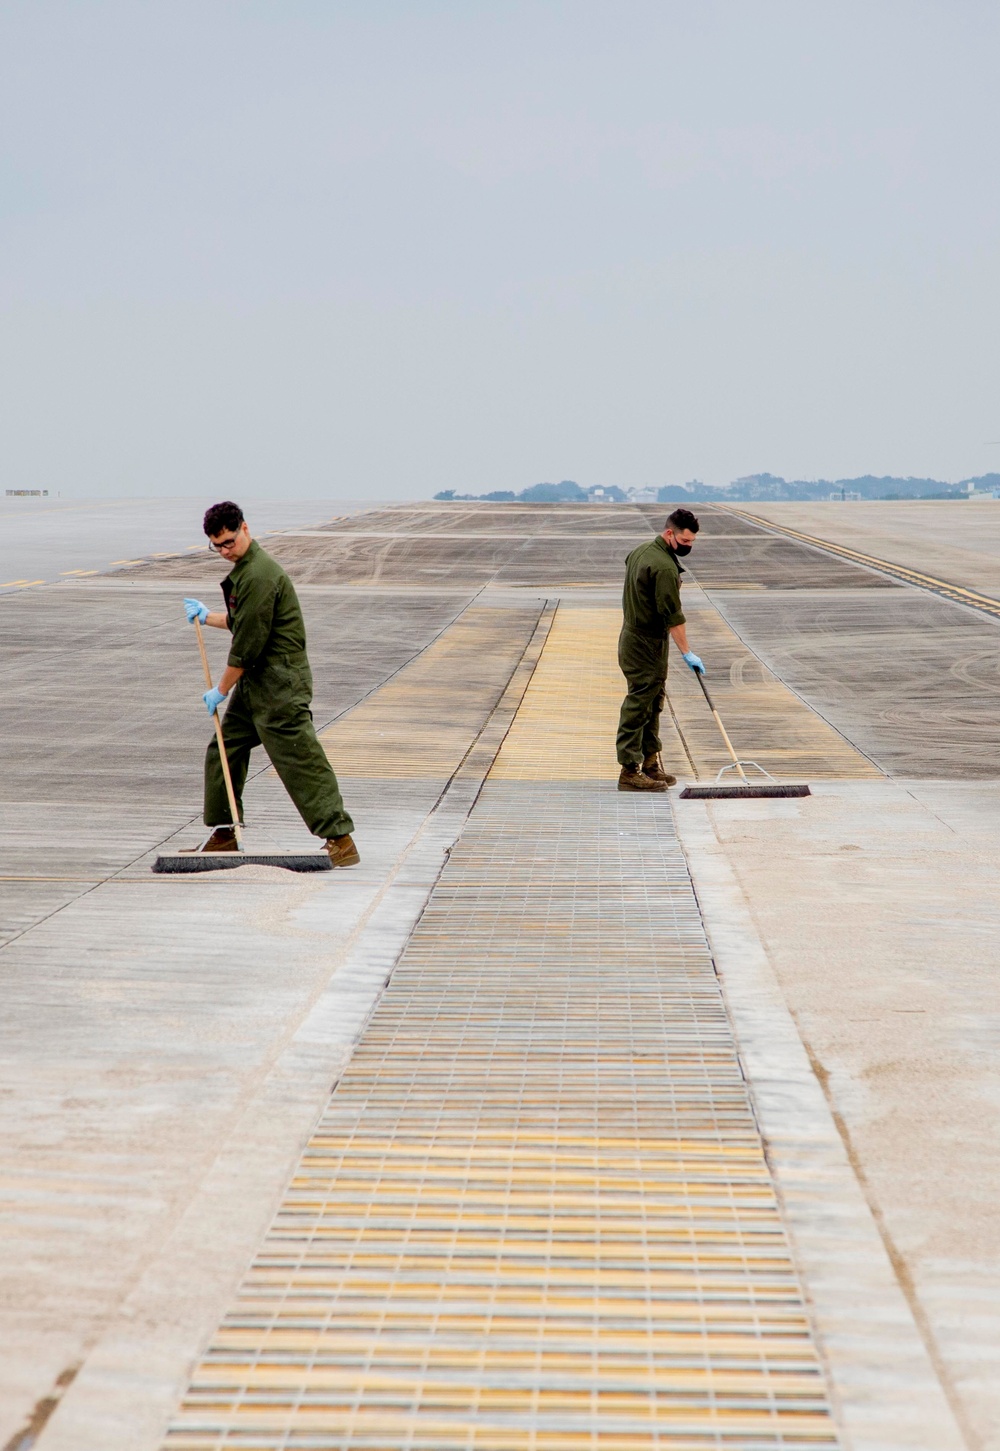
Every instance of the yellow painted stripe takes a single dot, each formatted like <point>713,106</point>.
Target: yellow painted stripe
<point>537,1213</point>
<point>421,723</point>
<point>884,566</point>
<point>565,729</point>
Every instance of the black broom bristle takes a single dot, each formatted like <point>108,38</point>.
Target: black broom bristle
<point>725,793</point>
<point>220,861</point>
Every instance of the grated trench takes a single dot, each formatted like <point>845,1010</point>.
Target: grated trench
<point>536,1212</point>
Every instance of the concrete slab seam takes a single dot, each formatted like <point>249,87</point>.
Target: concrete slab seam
<point>888,1393</point>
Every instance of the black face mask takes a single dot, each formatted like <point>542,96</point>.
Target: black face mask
<point>681,549</point>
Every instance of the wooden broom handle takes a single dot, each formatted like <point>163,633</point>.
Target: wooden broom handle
<point>219,737</point>
<point>722,730</point>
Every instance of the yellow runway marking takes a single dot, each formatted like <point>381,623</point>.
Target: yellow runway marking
<point>418,724</point>
<point>565,729</point>
<point>909,576</point>
<point>537,1212</point>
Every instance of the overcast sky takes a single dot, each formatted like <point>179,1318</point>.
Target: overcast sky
<point>378,249</point>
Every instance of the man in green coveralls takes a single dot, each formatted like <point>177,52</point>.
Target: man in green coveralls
<point>651,604</point>
<point>273,688</point>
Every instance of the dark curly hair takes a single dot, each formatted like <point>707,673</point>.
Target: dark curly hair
<point>226,515</point>
<point>682,519</point>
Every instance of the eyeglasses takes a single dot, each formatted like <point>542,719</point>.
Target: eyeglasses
<point>223,545</point>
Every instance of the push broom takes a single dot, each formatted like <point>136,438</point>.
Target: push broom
<point>722,791</point>
<point>214,861</point>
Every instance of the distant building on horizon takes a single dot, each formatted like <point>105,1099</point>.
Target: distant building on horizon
<point>763,487</point>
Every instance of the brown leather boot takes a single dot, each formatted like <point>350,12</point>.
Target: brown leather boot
<point>223,838</point>
<point>343,852</point>
<point>632,779</point>
<point>652,767</point>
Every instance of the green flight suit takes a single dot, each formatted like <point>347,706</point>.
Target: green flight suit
<point>269,705</point>
<point>651,605</point>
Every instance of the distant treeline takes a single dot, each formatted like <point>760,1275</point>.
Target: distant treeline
<point>753,486</point>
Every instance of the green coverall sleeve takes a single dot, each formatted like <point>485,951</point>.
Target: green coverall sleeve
<point>668,599</point>
<point>251,622</point>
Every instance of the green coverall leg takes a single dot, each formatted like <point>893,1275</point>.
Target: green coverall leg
<point>240,736</point>
<point>274,712</point>
<point>643,662</point>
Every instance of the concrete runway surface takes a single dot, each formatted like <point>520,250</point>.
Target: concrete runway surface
<point>45,540</point>
<point>568,1118</point>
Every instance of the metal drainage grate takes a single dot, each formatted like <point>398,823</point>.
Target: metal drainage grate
<point>536,1213</point>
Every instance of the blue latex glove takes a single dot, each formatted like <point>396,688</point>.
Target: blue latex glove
<point>213,699</point>
<point>693,660</point>
<point>195,610</point>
